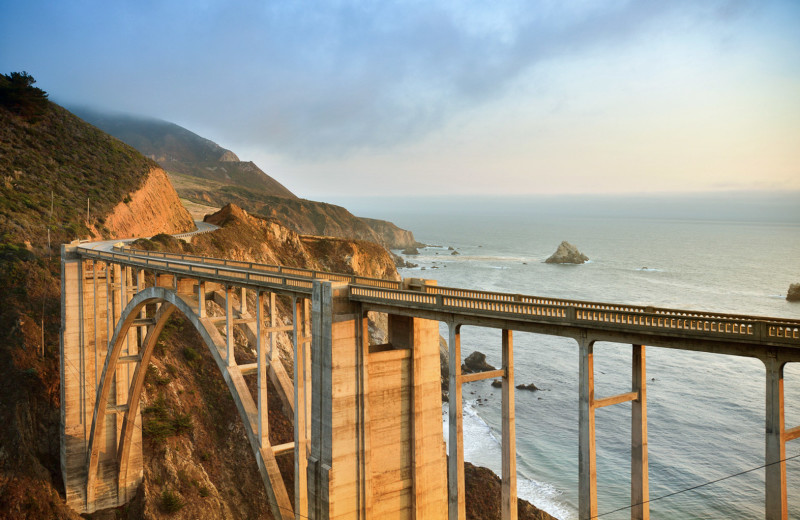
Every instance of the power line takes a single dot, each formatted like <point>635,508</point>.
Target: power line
<point>698,486</point>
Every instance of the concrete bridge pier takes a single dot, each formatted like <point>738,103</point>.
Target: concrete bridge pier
<point>376,437</point>
<point>587,465</point>
<point>777,435</point>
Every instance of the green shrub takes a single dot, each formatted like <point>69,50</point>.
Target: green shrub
<point>190,354</point>
<point>170,502</point>
<point>161,422</point>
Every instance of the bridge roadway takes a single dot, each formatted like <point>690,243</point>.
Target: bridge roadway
<point>775,341</point>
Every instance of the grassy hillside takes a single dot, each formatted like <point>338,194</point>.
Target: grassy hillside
<point>177,149</point>
<point>53,159</point>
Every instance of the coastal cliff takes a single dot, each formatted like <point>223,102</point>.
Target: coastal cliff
<point>152,209</point>
<point>62,179</point>
<point>206,173</point>
<point>254,239</point>
<point>197,460</point>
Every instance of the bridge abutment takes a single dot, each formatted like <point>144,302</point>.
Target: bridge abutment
<point>93,294</point>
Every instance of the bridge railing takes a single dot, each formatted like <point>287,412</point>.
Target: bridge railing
<point>216,273</point>
<point>297,272</point>
<point>468,302</point>
<point>582,314</point>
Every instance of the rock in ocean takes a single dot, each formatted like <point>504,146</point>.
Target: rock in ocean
<point>794,293</point>
<point>567,254</point>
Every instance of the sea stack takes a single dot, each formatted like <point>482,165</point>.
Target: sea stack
<point>567,254</point>
<point>794,293</point>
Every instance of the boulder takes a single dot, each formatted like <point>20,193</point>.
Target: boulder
<point>497,383</point>
<point>794,293</point>
<point>530,387</point>
<point>476,362</point>
<point>567,254</point>
<point>410,251</point>
<point>455,253</point>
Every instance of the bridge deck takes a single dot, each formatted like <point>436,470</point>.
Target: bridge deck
<point>675,328</point>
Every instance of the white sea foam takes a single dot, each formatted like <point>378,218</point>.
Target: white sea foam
<point>482,446</point>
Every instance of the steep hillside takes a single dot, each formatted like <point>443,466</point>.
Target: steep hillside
<point>178,150</point>
<point>202,171</point>
<point>52,163</point>
<point>50,158</point>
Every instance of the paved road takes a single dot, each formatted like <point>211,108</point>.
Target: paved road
<point>107,245</point>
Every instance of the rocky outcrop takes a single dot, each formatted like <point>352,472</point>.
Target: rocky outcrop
<point>483,491</point>
<point>152,209</point>
<point>567,254</point>
<point>255,239</point>
<point>793,295</point>
<point>307,217</point>
<point>476,362</point>
<point>410,251</point>
<point>391,235</point>
<point>229,156</point>
<point>530,387</point>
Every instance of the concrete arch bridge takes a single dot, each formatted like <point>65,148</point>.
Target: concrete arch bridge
<point>367,418</point>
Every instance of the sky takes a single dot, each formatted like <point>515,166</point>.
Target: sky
<point>343,98</point>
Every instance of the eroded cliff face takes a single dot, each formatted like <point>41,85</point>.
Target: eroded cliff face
<point>306,217</point>
<point>254,239</point>
<point>391,235</point>
<point>152,209</point>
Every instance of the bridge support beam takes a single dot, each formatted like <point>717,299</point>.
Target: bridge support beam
<point>508,507</point>
<point>302,399</point>
<point>587,461</point>
<point>455,446</point>
<point>775,482</point>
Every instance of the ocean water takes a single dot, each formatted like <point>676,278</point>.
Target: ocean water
<point>705,412</point>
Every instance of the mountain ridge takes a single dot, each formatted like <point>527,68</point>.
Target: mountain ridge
<point>201,172</point>
<point>177,149</point>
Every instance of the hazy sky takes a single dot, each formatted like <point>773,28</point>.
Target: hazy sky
<point>341,98</point>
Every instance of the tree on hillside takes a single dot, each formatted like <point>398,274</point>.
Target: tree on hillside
<point>18,94</point>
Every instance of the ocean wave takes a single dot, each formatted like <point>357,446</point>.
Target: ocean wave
<point>483,445</point>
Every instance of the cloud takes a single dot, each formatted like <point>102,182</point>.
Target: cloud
<point>327,79</point>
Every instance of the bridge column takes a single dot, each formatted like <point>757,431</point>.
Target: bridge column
<point>263,412</point>
<point>301,342</point>
<point>455,431</point>
<point>640,484</point>
<point>509,441</point>
<point>229,343</point>
<point>201,298</point>
<point>587,464</point>
<point>776,500</point>
<point>273,322</point>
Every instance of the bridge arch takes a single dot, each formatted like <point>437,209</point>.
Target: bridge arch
<point>170,301</point>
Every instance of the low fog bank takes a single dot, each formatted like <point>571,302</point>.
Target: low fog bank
<point>783,207</point>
